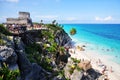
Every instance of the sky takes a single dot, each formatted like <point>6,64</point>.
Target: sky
<point>64,11</point>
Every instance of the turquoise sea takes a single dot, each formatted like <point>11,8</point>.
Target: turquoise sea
<point>104,38</point>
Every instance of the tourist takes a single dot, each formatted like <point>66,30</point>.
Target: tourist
<point>111,69</point>
<point>100,63</point>
<point>104,69</point>
<point>74,51</point>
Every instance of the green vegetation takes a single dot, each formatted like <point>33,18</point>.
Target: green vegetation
<point>34,54</point>
<point>74,66</point>
<point>75,60</point>
<point>73,31</point>
<point>2,42</point>
<point>79,69</point>
<point>48,54</point>
<point>61,73</point>
<point>35,23</point>
<point>7,74</point>
<point>3,30</point>
<point>45,54</point>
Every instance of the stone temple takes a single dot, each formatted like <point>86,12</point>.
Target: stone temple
<point>23,19</point>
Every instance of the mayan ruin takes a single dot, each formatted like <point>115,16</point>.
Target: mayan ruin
<point>23,19</point>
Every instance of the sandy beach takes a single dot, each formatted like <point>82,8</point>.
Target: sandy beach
<point>112,68</point>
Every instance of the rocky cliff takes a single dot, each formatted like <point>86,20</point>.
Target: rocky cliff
<point>15,55</point>
<point>62,38</point>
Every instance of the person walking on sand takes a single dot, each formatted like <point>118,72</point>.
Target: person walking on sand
<point>111,69</point>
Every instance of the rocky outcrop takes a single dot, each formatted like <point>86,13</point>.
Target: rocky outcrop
<point>33,71</point>
<point>77,75</point>
<point>91,74</point>
<point>67,68</point>
<point>85,65</point>
<point>62,38</point>
<point>24,65</point>
<point>8,56</point>
<point>28,71</point>
<point>87,74</point>
<point>62,59</point>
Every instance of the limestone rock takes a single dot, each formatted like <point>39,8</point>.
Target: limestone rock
<point>67,68</point>
<point>77,75</point>
<point>85,65</point>
<point>28,71</point>
<point>62,38</point>
<point>9,56</point>
<point>91,74</point>
<point>37,73</point>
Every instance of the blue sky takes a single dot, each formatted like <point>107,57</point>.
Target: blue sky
<point>64,11</point>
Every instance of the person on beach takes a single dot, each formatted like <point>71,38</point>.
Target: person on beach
<point>74,51</point>
<point>111,69</point>
<point>104,69</point>
<point>99,63</point>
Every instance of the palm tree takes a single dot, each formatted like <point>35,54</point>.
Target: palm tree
<point>54,21</point>
<point>73,31</point>
<point>41,22</point>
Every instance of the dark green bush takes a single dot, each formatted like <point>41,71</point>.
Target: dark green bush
<point>3,30</point>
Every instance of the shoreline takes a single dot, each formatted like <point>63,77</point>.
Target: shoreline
<point>100,49</point>
<point>94,57</point>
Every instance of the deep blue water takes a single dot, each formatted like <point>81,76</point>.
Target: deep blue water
<point>104,37</point>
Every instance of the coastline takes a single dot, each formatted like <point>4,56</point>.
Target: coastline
<point>94,57</point>
<point>103,38</point>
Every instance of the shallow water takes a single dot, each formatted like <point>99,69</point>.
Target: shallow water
<point>103,38</point>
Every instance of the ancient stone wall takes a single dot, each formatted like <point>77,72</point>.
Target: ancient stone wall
<point>12,21</point>
<point>23,21</point>
<point>24,18</point>
<point>24,15</point>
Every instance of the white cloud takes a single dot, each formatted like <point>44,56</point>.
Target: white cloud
<point>12,0</point>
<point>47,17</point>
<point>108,18</point>
<point>98,19</point>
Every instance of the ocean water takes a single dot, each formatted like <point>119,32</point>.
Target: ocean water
<point>103,38</point>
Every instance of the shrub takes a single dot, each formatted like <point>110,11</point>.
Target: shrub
<point>7,74</point>
<point>75,60</point>
<point>61,73</point>
<point>2,42</point>
<point>3,30</point>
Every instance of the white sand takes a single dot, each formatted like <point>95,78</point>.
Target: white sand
<point>94,57</point>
